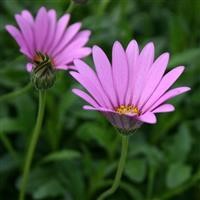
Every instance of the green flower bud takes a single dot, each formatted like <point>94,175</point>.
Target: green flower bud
<point>43,75</point>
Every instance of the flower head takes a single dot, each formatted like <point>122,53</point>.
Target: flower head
<point>48,43</point>
<point>131,90</point>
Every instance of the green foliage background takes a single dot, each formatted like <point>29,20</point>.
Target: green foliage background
<point>78,151</point>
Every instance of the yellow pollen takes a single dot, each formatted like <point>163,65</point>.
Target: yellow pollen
<point>127,110</point>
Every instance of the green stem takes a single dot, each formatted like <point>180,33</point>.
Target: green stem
<point>70,7</point>
<point>33,142</point>
<point>8,146</point>
<point>120,169</point>
<point>14,94</point>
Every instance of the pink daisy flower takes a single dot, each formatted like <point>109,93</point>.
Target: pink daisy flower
<point>131,90</point>
<point>46,40</point>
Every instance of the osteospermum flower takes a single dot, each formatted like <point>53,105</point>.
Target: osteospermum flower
<point>48,43</point>
<point>132,89</point>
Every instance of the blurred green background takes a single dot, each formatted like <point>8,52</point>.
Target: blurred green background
<point>78,150</point>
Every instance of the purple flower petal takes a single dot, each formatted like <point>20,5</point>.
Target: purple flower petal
<point>120,71</point>
<point>148,117</point>
<point>144,63</point>
<point>27,15</point>
<point>90,87</point>
<point>164,108</point>
<point>154,76</point>
<point>104,73</point>
<point>41,28</point>
<point>163,86</point>
<point>15,33</point>
<point>86,97</point>
<point>67,37</point>
<point>97,108</point>
<point>59,32</point>
<point>70,50</point>
<point>132,52</point>
<point>62,67</point>
<point>27,33</point>
<point>51,30</point>
<point>29,67</point>
<point>87,73</point>
<point>168,95</point>
<point>76,54</point>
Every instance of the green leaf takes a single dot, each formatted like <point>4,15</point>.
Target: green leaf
<point>93,131</point>
<point>185,57</point>
<point>49,189</point>
<point>177,175</point>
<point>9,125</point>
<point>136,169</point>
<point>155,156</point>
<point>179,146</point>
<point>62,155</point>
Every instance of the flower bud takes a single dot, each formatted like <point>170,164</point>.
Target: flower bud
<point>43,74</point>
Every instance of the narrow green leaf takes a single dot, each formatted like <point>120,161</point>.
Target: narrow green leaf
<point>9,125</point>
<point>62,155</point>
<point>185,57</point>
<point>50,189</point>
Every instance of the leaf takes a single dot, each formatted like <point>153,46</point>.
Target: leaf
<point>139,147</point>
<point>136,169</point>
<point>179,146</point>
<point>185,57</point>
<point>44,182</point>
<point>74,180</point>
<point>62,155</point>
<point>155,156</point>
<point>177,175</point>
<point>93,131</point>
<point>49,189</point>
<point>9,125</point>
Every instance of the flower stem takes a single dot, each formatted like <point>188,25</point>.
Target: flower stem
<point>14,94</point>
<point>33,142</point>
<point>120,169</point>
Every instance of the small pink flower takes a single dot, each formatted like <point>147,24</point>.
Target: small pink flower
<point>54,39</point>
<point>132,89</point>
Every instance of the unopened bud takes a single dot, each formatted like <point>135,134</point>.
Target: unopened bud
<point>43,74</point>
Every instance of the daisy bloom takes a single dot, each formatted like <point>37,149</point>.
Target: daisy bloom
<point>130,90</point>
<point>48,43</point>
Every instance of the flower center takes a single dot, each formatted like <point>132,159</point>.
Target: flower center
<point>127,110</point>
<point>43,74</point>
